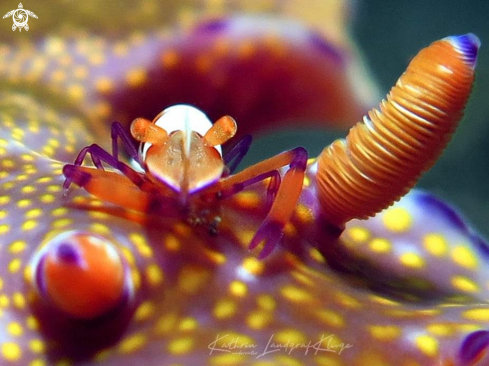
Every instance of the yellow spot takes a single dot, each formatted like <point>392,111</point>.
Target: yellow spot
<point>144,311</point>
<point>100,228</point>
<point>464,257</point>
<point>53,188</point>
<point>290,230</point>
<point>14,265</point>
<point>253,266</point>
<point>4,301</point>
<point>24,203</point>
<point>18,300</point>
<point>29,225</point>
<point>193,278</point>
<point>384,332</point>
<point>225,308</point>
<point>358,234</point>
<point>464,284</point>
<point>37,346</point>
<point>290,336</point>
<point>76,92</point>
<point>96,59</point>
<point>442,330</point>
<point>132,343</point>
<point>15,329</point>
<point>17,246</point>
<point>316,255</point>
<point>324,360</point>
<point>136,278</point>
<point>303,278</point>
<point>60,223</point>
<point>481,315</point>
<point>61,211</point>
<point>228,359</point>
<point>48,198</point>
<point>180,346</point>
<point>32,323</point>
<point>383,300</point>
<point>435,244</point>
<point>37,362</point>
<point>136,77</point>
<point>397,219</point>
<point>11,351</point>
<point>411,260</point>
<point>238,288</point>
<point>248,200</point>
<point>347,301</point>
<point>128,256</point>
<point>32,214</point>
<point>304,214</point>
<point>172,243</point>
<point>8,163</point>
<point>166,323</point>
<point>5,228</point>
<point>141,245</point>
<point>330,317</point>
<point>154,275</point>
<point>81,72</point>
<point>380,245</point>
<point>104,85</point>
<point>4,200</point>
<point>120,49</point>
<point>188,323</point>
<point>28,189</point>
<point>296,294</point>
<point>258,319</point>
<point>169,59</point>
<point>427,344</point>
<point>266,302</point>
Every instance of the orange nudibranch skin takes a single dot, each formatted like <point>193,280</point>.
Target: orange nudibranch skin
<point>384,155</point>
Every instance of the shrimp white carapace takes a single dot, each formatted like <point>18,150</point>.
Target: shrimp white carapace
<point>181,160</point>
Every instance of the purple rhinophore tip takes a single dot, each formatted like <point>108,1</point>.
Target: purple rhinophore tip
<point>212,26</point>
<point>473,345</point>
<point>41,284</point>
<point>467,44</point>
<point>320,43</point>
<point>270,232</point>
<point>67,253</point>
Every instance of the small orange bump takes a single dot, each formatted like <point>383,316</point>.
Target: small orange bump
<point>82,274</point>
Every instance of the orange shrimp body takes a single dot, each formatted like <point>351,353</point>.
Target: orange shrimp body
<point>383,156</point>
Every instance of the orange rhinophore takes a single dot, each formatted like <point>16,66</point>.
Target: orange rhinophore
<point>384,155</point>
<point>81,274</point>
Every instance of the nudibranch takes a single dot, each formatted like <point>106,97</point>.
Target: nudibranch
<point>84,281</point>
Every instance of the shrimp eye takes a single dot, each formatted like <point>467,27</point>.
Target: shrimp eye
<point>81,274</point>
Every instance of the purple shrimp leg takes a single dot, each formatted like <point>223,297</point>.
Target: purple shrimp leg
<point>237,153</point>
<point>285,192</point>
<point>97,154</point>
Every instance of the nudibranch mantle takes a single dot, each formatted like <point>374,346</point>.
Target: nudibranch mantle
<point>195,297</point>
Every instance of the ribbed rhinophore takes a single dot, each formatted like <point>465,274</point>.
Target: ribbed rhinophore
<point>384,155</point>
